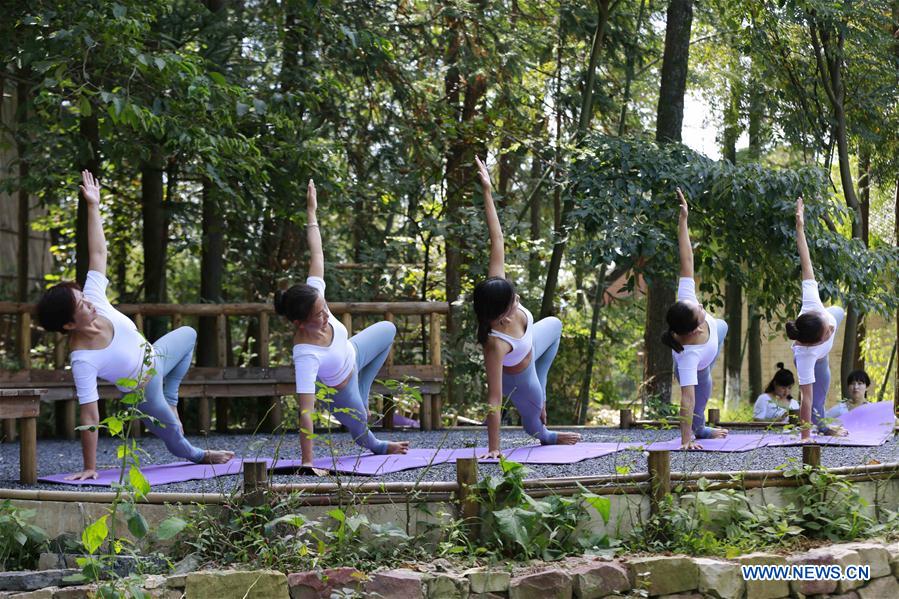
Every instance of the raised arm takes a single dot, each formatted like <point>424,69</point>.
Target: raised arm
<point>96,241</point>
<point>683,238</point>
<point>313,234</point>
<point>805,260</point>
<point>497,266</point>
<point>493,362</point>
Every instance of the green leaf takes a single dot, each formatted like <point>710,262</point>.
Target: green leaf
<point>296,520</point>
<point>94,535</point>
<point>170,527</point>
<point>337,514</point>
<point>603,505</point>
<point>137,524</point>
<point>139,482</point>
<point>217,77</point>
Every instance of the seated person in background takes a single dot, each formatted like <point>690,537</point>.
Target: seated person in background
<point>858,382</point>
<point>776,402</point>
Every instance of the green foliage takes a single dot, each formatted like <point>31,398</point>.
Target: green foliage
<point>517,526</point>
<point>20,541</point>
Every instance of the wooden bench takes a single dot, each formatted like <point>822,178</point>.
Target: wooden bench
<point>23,405</point>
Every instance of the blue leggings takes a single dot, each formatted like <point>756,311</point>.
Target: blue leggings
<point>822,378</point>
<point>527,389</point>
<point>703,389</point>
<point>173,353</point>
<point>350,405</point>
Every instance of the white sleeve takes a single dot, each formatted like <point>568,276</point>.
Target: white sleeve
<point>805,366</point>
<point>687,368</point>
<point>686,289</point>
<point>317,283</point>
<point>95,288</point>
<point>760,409</point>
<point>811,299</point>
<point>85,375</point>
<point>305,370</point>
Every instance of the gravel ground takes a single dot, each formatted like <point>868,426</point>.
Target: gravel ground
<point>65,456</point>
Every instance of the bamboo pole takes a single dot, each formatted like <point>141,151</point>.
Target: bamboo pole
<point>659,478</point>
<point>28,451</point>
<point>625,419</point>
<point>469,509</point>
<point>255,481</point>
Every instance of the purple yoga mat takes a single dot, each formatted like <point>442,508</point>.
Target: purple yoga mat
<point>731,444</point>
<point>159,474</point>
<point>869,425</point>
<point>546,454</point>
<point>369,464</point>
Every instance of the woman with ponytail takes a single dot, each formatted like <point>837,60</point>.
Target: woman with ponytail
<point>695,338</point>
<point>517,351</point>
<point>776,402</point>
<point>813,333</point>
<point>322,350</point>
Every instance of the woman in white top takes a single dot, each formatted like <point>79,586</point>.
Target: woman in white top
<point>517,351</point>
<point>858,382</point>
<point>105,344</point>
<point>776,402</point>
<point>695,338</point>
<point>322,351</point>
<point>813,333</point>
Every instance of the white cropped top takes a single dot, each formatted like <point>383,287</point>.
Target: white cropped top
<point>694,358</point>
<point>521,346</point>
<point>332,364</point>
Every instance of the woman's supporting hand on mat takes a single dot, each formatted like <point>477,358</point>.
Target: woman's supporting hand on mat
<point>86,474</point>
<point>217,456</point>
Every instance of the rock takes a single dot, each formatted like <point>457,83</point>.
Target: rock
<point>843,557</point>
<point>29,580</point>
<point>592,580</point>
<point>488,581</point>
<point>237,584</point>
<point>190,563</point>
<point>849,595</point>
<point>51,561</point>
<point>396,584</point>
<point>177,581</point>
<point>874,555</point>
<point>39,594</point>
<point>765,589</point>
<point>879,588</point>
<point>683,596</point>
<point>153,581</point>
<point>79,592</point>
<point>663,574</point>
<point>720,579</point>
<point>812,587</point>
<point>311,585</point>
<point>488,596</point>
<point>550,583</point>
<point>447,586</point>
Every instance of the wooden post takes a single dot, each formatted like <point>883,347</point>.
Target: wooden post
<point>793,419</point>
<point>347,319</point>
<point>714,416</point>
<point>139,322</point>
<point>272,405</point>
<point>436,358</point>
<point>59,351</point>
<point>436,413</point>
<point>469,508</point>
<point>811,455</point>
<point>25,340</point>
<point>221,403</point>
<point>135,430</point>
<point>389,317</point>
<point>9,430</point>
<point>625,419</point>
<point>69,409</point>
<point>28,451</point>
<point>177,321</point>
<point>203,415</point>
<point>424,412</point>
<point>255,481</point>
<point>659,478</point>
<point>389,411</point>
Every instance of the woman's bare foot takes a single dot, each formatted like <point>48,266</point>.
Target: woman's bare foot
<point>397,447</point>
<point>835,430</point>
<point>567,438</point>
<point>217,456</point>
<point>719,433</point>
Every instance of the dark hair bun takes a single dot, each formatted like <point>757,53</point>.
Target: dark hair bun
<point>780,365</point>
<point>792,330</point>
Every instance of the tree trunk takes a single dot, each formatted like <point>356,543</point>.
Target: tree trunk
<point>864,188</point>
<point>657,371</point>
<point>754,332</point>
<point>211,273</point>
<point>534,209</point>
<point>155,236</point>
<point>584,396</point>
<point>22,110</point>
<point>88,159</point>
<point>629,70</point>
<point>560,236</point>
<point>733,345</point>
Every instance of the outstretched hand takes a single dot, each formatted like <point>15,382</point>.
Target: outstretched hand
<point>90,189</point>
<point>684,210</point>
<point>311,197</point>
<point>800,212</point>
<point>483,174</point>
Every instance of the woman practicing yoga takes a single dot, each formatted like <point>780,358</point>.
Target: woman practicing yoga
<point>813,333</point>
<point>517,351</point>
<point>776,402</point>
<point>858,382</point>
<point>695,337</point>
<point>322,351</point>
<point>105,344</point>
